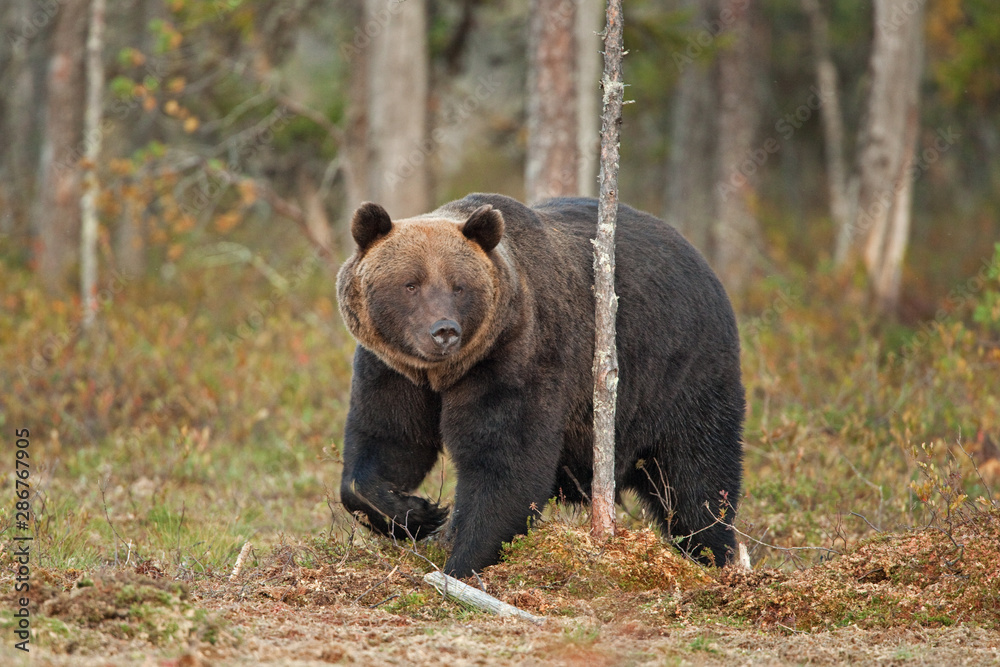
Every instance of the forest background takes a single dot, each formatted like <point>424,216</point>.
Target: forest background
<point>176,178</point>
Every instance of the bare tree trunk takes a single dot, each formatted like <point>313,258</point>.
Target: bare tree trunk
<point>833,131</point>
<point>57,219</point>
<point>602,522</point>
<point>355,148</point>
<point>551,165</point>
<point>588,47</point>
<point>23,60</point>
<point>131,235</point>
<point>736,233</point>
<point>889,135</point>
<point>130,238</point>
<point>312,207</point>
<point>887,281</point>
<point>690,198</point>
<point>397,106</point>
<point>93,137</point>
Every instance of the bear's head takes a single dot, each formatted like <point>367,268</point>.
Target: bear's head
<point>423,293</point>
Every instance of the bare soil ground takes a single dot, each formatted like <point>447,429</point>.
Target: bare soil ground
<point>918,598</point>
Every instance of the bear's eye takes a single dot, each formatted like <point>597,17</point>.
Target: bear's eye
<point>458,289</point>
<point>411,287</point>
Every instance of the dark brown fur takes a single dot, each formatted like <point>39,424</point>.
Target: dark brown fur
<point>512,401</point>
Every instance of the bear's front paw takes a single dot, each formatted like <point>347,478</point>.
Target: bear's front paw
<point>409,517</point>
<point>417,517</point>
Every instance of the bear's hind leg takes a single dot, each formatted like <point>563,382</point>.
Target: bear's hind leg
<point>695,520</point>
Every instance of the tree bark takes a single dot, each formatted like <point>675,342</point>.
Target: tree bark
<point>57,218</point>
<point>736,235</point>
<point>397,106</point>
<point>93,138</point>
<point>690,198</point>
<point>602,522</point>
<point>551,162</point>
<point>888,138</point>
<point>131,233</point>
<point>355,148</point>
<point>23,60</point>
<point>588,47</point>
<point>833,130</point>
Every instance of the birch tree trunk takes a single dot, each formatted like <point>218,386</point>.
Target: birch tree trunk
<point>888,139</point>
<point>736,237</point>
<point>397,106</point>
<point>602,522</point>
<point>57,213</point>
<point>551,163</point>
<point>833,131</point>
<point>92,133</point>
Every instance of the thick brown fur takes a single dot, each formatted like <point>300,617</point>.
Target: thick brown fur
<point>475,325</point>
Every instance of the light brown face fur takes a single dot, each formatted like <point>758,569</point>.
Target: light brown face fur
<point>397,290</point>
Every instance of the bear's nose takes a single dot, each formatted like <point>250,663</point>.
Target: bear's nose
<point>446,333</point>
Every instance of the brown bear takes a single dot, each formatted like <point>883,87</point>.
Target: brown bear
<point>476,332</point>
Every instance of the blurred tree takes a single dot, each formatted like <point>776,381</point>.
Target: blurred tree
<point>23,63</point>
<point>94,137</point>
<point>551,163</point>
<point>842,192</point>
<point>690,197</point>
<point>355,144</point>
<point>397,106</point>
<point>57,216</point>
<point>131,231</point>
<point>736,234</point>
<point>888,140</point>
<point>589,16</point>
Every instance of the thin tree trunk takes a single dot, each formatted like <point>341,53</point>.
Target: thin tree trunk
<point>833,130</point>
<point>355,149</point>
<point>551,164</point>
<point>92,134</point>
<point>312,208</point>
<point>397,106</point>
<point>736,233</point>
<point>57,217</point>
<point>888,138</point>
<point>602,523</point>
<point>588,47</point>
<point>131,235</point>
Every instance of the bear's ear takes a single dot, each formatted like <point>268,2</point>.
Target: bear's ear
<point>370,222</point>
<point>485,227</point>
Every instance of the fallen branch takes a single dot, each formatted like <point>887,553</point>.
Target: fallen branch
<point>239,561</point>
<point>452,588</point>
